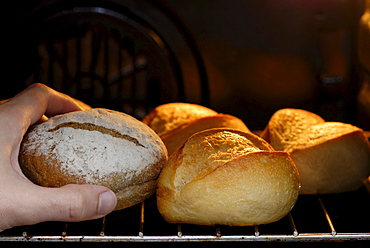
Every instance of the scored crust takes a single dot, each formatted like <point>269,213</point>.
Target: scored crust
<point>227,177</point>
<point>97,146</point>
<point>331,157</point>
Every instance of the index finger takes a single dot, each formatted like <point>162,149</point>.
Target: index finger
<point>31,104</point>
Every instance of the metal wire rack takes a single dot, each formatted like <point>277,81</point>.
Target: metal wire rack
<point>314,218</point>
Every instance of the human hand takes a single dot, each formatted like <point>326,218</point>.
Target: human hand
<point>22,202</point>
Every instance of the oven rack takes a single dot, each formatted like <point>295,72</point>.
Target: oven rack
<point>314,218</point>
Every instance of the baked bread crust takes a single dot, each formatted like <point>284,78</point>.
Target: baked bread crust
<point>176,122</point>
<point>331,157</point>
<point>97,146</point>
<point>227,177</point>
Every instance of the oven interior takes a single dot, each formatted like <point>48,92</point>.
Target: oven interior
<point>132,56</point>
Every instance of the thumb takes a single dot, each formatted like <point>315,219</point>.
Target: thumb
<point>79,202</point>
<point>70,203</point>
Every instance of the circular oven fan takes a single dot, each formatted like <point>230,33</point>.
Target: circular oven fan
<point>125,55</point>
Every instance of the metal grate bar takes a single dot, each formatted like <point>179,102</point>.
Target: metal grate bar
<point>309,237</point>
<point>222,233</point>
<point>25,232</point>
<point>218,231</point>
<point>141,226</point>
<point>65,227</point>
<point>102,230</point>
<point>179,231</point>
<point>333,232</point>
<point>292,224</point>
<point>256,231</point>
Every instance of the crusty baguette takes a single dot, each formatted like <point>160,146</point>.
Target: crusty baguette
<point>176,122</point>
<point>227,177</point>
<point>97,146</point>
<point>331,157</point>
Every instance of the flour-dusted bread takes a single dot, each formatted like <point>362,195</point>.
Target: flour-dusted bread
<point>227,177</point>
<point>97,146</point>
<point>331,157</point>
<point>176,122</point>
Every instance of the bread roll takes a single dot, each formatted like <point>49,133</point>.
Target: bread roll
<point>331,157</point>
<point>227,177</point>
<point>176,122</point>
<point>97,146</point>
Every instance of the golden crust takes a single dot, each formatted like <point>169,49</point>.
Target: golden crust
<point>227,177</point>
<point>176,122</point>
<point>332,157</point>
<point>168,117</point>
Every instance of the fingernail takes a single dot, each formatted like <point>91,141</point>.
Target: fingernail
<point>107,202</point>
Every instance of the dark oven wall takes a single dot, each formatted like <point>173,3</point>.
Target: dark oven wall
<point>246,58</point>
<point>265,55</point>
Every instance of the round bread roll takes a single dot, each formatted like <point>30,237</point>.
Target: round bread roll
<point>97,146</point>
<point>176,122</point>
<point>331,157</point>
<point>227,177</point>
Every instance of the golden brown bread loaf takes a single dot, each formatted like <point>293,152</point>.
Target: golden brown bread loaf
<point>97,146</point>
<point>331,157</point>
<point>175,122</point>
<point>227,177</point>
